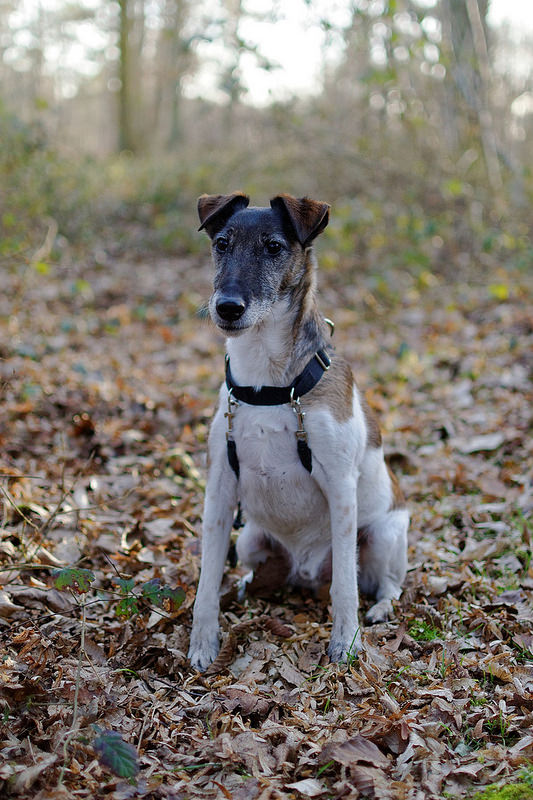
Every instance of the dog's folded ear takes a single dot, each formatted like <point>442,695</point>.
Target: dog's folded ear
<point>307,217</point>
<point>214,210</point>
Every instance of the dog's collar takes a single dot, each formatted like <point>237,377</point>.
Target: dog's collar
<point>278,395</point>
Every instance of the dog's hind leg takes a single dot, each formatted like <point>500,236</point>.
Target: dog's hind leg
<point>268,561</point>
<point>382,536</point>
<point>253,545</point>
<point>383,561</point>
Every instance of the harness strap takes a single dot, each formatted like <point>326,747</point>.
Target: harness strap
<point>232,457</point>
<point>276,396</point>
<point>305,455</point>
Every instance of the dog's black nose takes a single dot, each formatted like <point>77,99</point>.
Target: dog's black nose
<point>231,308</point>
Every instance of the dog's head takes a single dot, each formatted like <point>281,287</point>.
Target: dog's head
<point>260,254</point>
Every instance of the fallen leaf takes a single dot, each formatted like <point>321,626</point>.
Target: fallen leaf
<point>27,777</point>
<point>245,701</point>
<point>482,443</point>
<point>310,787</point>
<point>354,751</point>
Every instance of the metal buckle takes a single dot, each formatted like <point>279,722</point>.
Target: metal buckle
<point>322,363</point>
<point>297,408</point>
<point>229,414</point>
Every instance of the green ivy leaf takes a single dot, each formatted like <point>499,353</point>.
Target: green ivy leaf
<point>127,607</point>
<point>126,585</point>
<point>175,597</point>
<point>116,754</point>
<point>78,580</point>
<point>151,591</point>
<point>157,594</point>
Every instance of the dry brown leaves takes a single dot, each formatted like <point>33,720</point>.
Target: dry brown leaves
<point>107,385</point>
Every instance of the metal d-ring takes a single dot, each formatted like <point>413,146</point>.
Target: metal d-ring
<point>330,324</point>
<point>301,433</point>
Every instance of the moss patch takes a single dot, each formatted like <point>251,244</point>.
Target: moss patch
<point>517,791</point>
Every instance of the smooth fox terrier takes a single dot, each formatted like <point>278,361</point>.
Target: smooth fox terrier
<point>293,440</point>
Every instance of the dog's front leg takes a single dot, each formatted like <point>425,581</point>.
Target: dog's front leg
<point>219,507</point>
<point>345,634</point>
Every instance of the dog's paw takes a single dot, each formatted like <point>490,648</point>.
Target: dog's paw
<point>242,585</point>
<point>380,612</point>
<point>342,651</point>
<point>203,649</point>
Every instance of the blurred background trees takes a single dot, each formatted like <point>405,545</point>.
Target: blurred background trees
<point>415,117</point>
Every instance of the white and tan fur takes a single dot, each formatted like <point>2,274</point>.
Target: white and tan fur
<point>314,518</point>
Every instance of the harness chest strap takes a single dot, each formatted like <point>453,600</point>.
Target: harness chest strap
<point>274,396</point>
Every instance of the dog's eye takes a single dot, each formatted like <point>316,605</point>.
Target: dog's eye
<point>273,247</point>
<point>221,244</point>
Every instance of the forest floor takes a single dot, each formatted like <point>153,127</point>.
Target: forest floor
<point>108,379</point>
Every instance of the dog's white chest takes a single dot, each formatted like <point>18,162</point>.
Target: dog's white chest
<point>265,438</point>
<point>276,490</point>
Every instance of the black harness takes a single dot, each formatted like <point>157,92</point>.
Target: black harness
<point>276,396</point>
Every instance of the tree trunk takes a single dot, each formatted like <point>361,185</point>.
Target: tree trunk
<point>468,106</point>
<point>486,125</point>
<point>126,135</point>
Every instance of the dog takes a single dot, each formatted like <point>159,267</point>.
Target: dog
<point>293,439</point>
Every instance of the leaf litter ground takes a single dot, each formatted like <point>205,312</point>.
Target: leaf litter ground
<point>108,380</point>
